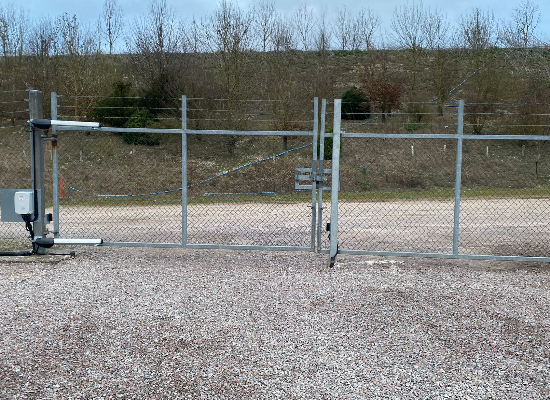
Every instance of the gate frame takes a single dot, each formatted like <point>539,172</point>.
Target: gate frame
<point>459,137</point>
<point>184,132</point>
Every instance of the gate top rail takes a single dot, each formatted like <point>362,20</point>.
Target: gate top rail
<point>190,131</point>
<point>438,136</point>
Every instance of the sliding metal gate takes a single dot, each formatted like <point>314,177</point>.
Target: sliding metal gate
<point>396,194</point>
<point>259,200</point>
<point>407,215</point>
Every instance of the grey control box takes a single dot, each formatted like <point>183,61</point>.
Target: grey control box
<point>15,203</point>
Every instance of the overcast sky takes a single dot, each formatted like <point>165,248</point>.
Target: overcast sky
<point>88,11</point>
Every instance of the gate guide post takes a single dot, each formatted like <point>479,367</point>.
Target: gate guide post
<point>458,177</point>
<point>335,181</point>
<point>321,170</point>
<point>184,171</point>
<point>314,170</point>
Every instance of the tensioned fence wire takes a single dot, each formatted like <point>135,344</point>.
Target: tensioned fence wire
<point>15,161</point>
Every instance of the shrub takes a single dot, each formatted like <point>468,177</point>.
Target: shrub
<point>116,109</point>
<point>139,119</point>
<point>385,94</point>
<point>327,154</point>
<point>355,105</point>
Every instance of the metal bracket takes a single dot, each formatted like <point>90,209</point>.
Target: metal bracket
<point>307,175</point>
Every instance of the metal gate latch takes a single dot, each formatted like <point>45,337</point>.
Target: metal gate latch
<point>307,175</point>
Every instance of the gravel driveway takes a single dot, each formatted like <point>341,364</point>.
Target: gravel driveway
<point>174,324</point>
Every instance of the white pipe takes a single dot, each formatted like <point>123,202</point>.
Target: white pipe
<point>95,242</point>
<point>57,122</point>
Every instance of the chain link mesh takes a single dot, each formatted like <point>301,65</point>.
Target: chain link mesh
<point>506,202</point>
<point>398,194</point>
<point>240,187</point>
<point>15,161</point>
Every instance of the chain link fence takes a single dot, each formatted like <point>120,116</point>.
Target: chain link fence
<point>399,181</point>
<point>231,180</point>
<point>126,186</point>
<point>15,159</point>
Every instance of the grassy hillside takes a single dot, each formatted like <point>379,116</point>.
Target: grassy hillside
<point>506,93</point>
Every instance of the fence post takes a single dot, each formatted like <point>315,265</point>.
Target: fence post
<point>314,170</point>
<point>335,182</point>
<point>37,155</point>
<point>184,171</point>
<point>458,176</point>
<point>321,171</point>
<point>55,168</point>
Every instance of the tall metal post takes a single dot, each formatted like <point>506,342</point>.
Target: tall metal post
<point>55,168</point>
<point>37,153</point>
<point>335,181</point>
<point>184,171</point>
<point>320,229</point>
<point>314,170</point>
<point>458,176</point>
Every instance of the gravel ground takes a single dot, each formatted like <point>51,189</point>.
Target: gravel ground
<point>174,324</point>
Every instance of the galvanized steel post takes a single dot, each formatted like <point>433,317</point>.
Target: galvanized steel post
<point>335,181</point>
<point>184,171</point>
<point>321,170</point>
<point>314,170</point>
<point>458,176</point>
<point>55,168</point>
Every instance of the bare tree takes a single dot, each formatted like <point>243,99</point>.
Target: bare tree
<point>43,39</point>
<point>367,23</point>
<point>69,30</point>
<point>194,36</point>
<point>112,23</point>
<point>264,22</point>
<point>156,37</point>
<point>409,34</point>
<point>303,22</point>
<point>438,37</point>
<point>282,39</point>
<point>322,34</point>
<point>356,32</point>
<point>407,27</point>
<point>520,32</point>
<point>343,28</point>
<point>479,34</point>
<point>479,30</point>
<point>228,34</point>
<point>13,30</point>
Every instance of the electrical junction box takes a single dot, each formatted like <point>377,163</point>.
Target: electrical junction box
<point>24,202</point>
<point>9,202</point>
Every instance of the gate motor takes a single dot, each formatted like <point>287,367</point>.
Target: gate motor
<point>27,205</point>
